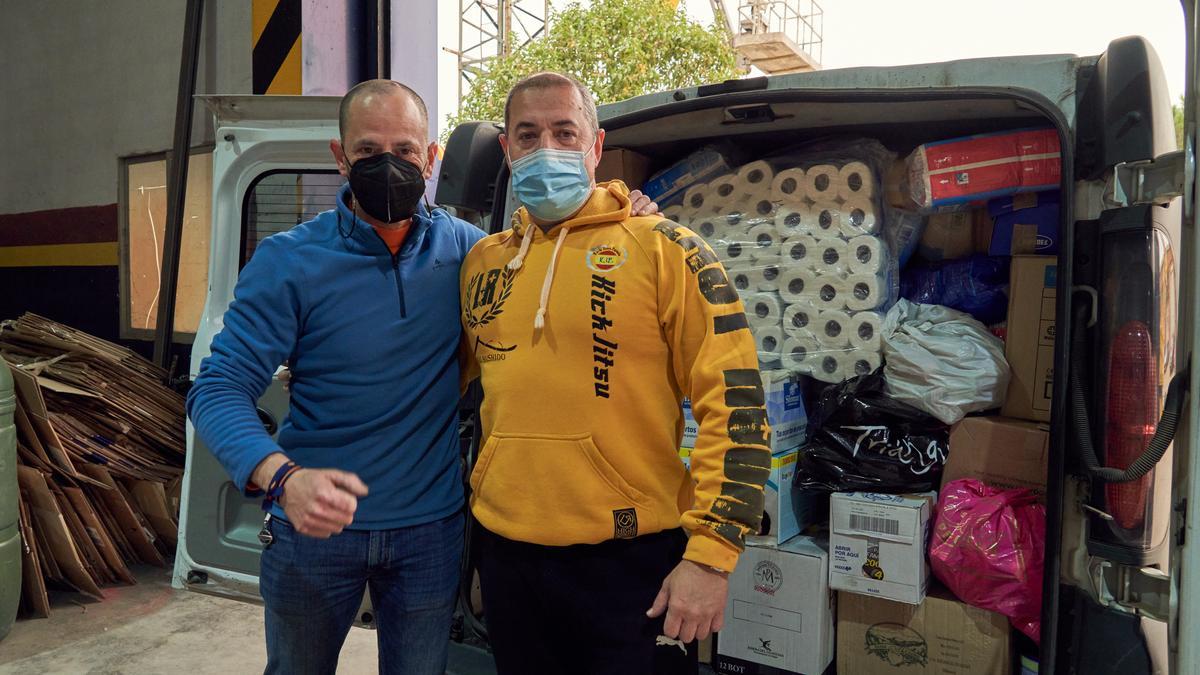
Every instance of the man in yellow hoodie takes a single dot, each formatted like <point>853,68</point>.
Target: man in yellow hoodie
<point>600,552</point>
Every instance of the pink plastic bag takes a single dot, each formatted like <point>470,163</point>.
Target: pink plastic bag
<point>987,548</point>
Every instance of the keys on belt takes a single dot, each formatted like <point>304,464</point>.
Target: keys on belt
<point>264,535</point>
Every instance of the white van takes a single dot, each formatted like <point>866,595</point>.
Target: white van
<point>1115,597</point>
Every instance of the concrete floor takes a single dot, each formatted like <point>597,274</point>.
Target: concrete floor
<point>153,628</point>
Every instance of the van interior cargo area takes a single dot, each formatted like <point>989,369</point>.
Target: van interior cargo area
<point>774,126</point>
<point>766,125</point>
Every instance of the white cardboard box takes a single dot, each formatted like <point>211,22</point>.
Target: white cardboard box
<point>877,544</point>
<point>780,609</point>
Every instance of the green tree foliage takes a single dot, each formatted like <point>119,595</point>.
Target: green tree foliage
<point>1178,111</point>
<point>619,48</point>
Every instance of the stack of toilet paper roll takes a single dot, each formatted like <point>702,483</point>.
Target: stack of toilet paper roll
<point>831,345</point>
<point>802,247</point>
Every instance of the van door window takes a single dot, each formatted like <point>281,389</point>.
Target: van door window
<point>280,200</point>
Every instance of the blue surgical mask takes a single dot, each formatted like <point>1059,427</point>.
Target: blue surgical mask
<point>551,184</point>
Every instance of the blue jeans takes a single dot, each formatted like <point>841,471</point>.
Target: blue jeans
<point>313,588</point>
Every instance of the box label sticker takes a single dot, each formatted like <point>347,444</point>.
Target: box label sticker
<point>874,524</point>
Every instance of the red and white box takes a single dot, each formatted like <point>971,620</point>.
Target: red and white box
<point>975,168</point>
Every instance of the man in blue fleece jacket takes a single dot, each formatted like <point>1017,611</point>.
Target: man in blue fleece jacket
<point>365,485</point>
<point>362,303</point>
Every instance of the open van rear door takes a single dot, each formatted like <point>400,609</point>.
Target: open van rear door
<point>272,169</point>
<point>1185,498</point>
<point>1136,363</point>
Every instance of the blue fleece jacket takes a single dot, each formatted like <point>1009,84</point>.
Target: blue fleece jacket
<point>371,340</point>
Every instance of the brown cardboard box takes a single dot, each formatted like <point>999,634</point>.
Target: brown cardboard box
<point>955,234</point>
<point>941,636</point>
<point>1001,452</point>
<point>1030,343</point>
<point>947,236</point>
<point>705,649</point>
<point>983,227</point>
<point>895,186</point>
<point>627,166</point>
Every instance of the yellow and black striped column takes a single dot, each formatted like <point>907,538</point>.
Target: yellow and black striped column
<point>277,67</point>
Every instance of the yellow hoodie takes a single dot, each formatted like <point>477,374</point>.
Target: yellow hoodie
<point>586,338</point>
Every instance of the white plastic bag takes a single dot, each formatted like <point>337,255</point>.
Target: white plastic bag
<point>942,361</point>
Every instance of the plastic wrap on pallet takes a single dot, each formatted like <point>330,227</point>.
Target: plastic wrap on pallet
<point>805,240</point>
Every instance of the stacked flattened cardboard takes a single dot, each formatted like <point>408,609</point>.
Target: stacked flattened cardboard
<point>100,450</point>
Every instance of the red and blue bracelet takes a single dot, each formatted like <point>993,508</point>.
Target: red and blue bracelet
<point>275,488</point>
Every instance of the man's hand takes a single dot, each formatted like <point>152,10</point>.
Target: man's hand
<point>284,376</point>
<point>318,502</point>
<point>693,596</point>
<point>321,502</point>
<point>642,205</point>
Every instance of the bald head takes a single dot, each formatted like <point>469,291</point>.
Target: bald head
<point>552,80</point>
<point>382,116</point>
<point>364,92</point>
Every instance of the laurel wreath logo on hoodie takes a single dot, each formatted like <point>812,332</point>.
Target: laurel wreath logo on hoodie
<point>485,296</point>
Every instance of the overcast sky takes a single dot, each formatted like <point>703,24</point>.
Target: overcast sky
<point>895,32</point>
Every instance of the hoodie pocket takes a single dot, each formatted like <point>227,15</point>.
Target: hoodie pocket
<point>555,490</point>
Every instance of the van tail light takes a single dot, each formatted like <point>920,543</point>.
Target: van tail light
<point>1134,358</point>
<point>1133,397</point>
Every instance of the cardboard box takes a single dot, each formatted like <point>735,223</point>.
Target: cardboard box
<point>734,666</point>
<point>787,511</point>
<point>895,186</point>
<point>973,168</point>
<point>627,166</point>
<point>948,236</point>
<point>667,186</point>
<point>1029,345</point>
<point>1025,224</point>
<point>780,609</point>
<point>1001,452</point>
<point>941,636</point>
<point>878,544</point>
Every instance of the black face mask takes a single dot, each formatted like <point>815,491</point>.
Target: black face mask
<point>387,187</point>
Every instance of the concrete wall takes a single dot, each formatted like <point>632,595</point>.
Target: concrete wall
<point>88,82</point>
<point>85,83</point>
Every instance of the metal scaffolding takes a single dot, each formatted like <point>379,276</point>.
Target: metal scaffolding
<point>777,36</point>
<point>491,28</point>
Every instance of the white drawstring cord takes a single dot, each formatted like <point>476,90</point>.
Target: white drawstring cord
<point>539,321</point>
<point>515,263</point>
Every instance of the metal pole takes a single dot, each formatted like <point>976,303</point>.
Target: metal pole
<point>177,182</point>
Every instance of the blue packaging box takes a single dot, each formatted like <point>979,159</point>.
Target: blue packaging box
<point>667,186</point>
<point>1025,224</point>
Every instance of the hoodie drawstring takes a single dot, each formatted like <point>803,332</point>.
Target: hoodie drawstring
<point>519,259</point>
<point>539,321</point>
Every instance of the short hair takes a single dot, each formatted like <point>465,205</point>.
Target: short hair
<point>547,79</point>
<point>380,87</point>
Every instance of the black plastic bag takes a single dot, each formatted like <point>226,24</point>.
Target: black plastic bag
<point>863,440</point>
